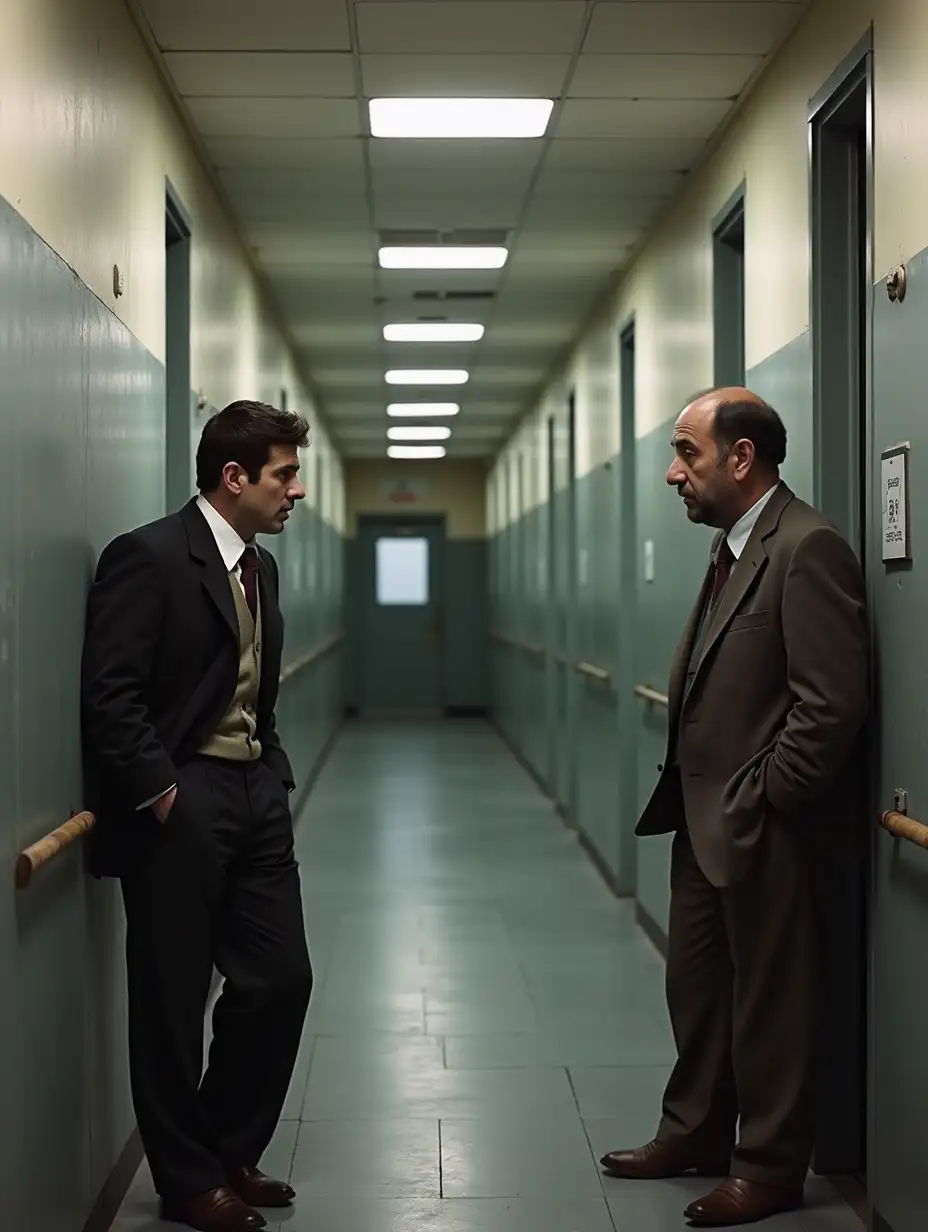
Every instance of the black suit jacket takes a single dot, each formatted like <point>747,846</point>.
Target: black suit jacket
<point>160,666</point>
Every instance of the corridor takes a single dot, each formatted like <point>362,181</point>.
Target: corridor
<point>487,1020</point>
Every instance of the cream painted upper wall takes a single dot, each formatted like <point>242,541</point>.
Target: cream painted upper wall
<point>88,137</point>
<point>668,287</point>
<point>454,487</point>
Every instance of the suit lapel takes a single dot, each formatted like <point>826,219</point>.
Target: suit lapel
<point>214,575</point>
<point>744,575</point>
<point>680,667</point>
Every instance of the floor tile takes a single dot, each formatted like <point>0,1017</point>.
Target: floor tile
<point>620,1092</point>
<point>503,1157</point>
<point>367,1159</point>
<point>427,1090</point>
<point>451,1215</point>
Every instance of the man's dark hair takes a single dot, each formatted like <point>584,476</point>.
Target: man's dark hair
<point>244,432</point>
<point>753,421</point>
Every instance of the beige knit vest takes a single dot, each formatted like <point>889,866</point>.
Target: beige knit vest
<point>234,738</point>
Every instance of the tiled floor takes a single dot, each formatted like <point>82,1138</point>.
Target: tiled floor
<point>487,1019</point>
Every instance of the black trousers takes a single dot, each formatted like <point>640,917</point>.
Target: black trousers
<point>219,886</point>
<point>742,972</point>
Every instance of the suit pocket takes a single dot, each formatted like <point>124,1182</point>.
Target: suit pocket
<point>749,620</point>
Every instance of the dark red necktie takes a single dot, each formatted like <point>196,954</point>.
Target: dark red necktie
<point>249,567</point>
<point>723,564</point>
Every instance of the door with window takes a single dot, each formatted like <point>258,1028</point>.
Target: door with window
<point>400,567</point>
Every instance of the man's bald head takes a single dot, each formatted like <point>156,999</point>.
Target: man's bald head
<point>730,444</point>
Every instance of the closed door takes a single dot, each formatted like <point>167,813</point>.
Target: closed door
<point>400,596</point>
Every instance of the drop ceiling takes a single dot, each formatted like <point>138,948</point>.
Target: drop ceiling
<point>278,92</point>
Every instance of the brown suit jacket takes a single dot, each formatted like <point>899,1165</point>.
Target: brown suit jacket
<point>769,726</point>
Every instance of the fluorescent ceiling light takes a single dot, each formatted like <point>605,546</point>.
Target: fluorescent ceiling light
<point>399,409</point>
<point>426,376</point>
<point>442,257</point>
<point>416,451</point>
<point>418,434</point>
<point>444,331</point>
<point>460,117</point>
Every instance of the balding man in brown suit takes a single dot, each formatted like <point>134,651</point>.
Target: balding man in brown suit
<point>767,698</point>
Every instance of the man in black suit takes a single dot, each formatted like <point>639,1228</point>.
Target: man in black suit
<point>190,786</point>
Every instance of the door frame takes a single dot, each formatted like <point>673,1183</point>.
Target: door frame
<point>627,708</point>
<point>857,495</point>
<point>179,473</point>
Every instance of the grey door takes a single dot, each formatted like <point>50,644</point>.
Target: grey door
<point>400,570</point>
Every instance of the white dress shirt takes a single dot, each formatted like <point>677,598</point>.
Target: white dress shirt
<point>740,533</point>
<point>231,546</point>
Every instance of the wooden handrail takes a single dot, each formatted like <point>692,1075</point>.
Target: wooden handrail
<point>310,656</point>
<point>646,693</point>
<point>905,827</point>
<point>595,673</point>
<point>45,849</point>
<point>534,648</point>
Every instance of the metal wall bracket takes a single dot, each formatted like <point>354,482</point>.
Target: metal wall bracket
<point>896,283</point>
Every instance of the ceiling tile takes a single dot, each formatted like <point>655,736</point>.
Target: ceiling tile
<point>438,156</point>
<point>243,25</point>
<point>643,118</point>
<point>607,184</point>
<point>455,26</point>
<point>691,26</point>
<point>323,155</point>
<point>275,117</point>
<point>646,76</point>
<point>257,74</point>
<point>624,153</point>
<point>462,76</point>
<point>445,213</point>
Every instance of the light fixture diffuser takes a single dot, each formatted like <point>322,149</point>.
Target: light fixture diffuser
<point>413,409</point>
<point>432,331</point>
<point>420,433</point>
<point>442,257</point>
<point>444,118</point>
<point>426,376</point>
<point>416,451</point>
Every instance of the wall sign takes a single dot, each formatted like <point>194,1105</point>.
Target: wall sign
<point>403,491</point>
<point>894,496</point>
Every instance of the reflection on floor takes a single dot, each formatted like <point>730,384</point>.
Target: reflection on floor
<point>487,1020</point>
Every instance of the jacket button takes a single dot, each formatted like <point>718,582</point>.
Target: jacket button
<point>660,769</point>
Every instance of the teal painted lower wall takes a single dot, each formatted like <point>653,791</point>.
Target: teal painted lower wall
<point>83,460</point>
<point>555,717</point>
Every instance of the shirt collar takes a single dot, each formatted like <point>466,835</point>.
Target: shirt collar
<point>229,542</point>
<point>741,531</point>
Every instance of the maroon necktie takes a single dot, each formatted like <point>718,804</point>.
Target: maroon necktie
<point>249,567</point>
<point>723,564</point>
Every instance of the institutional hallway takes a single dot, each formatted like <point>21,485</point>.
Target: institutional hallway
<point>488,1020</point>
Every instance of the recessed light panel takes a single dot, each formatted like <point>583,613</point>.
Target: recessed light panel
<point>409,410</point>
<point>444,118</point>
<point>421,331</point>
<point>418,434</point>
<point>442,257</point>
<point>416,451</point>
<point>426,376</point>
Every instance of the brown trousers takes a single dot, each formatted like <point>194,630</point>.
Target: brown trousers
<point>741,989</point>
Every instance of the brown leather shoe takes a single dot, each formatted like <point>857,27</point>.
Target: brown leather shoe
<point>217,1210</point>
<point>658,1160</point>
<point>736,1201</point>
<point>257,1189</point>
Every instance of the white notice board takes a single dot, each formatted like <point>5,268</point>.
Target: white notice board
<point>894,494</point>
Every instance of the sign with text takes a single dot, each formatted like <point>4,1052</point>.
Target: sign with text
<point>404,491</point>
<point>894,489</point>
